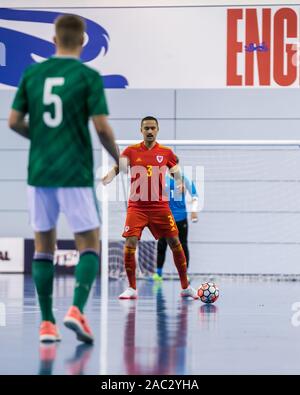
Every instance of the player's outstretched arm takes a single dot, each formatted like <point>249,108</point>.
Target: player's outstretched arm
<point>16,122</point>
<point>110,175</point>
<point>175,170</point>
<point>190,186</point>
<point>106,135</point>
<point>123,166</point>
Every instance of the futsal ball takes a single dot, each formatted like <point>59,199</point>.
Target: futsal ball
<point>208,292</point>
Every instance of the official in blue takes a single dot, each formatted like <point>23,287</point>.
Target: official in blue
<point>177,202</point>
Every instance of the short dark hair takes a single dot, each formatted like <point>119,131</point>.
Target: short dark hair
<point>69,30</point>
<point>149,118</point>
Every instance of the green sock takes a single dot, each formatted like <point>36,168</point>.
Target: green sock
<point>85,274</point>
<point>43,273</point>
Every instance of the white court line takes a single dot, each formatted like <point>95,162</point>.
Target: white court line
<point>26,312</point>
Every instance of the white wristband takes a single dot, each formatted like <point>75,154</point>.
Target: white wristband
<point>195,205</point>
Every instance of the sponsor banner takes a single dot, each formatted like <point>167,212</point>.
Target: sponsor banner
<point>198,47</point>
<point>66,256</point>
<point>263,47</point>
<point>11,255</point>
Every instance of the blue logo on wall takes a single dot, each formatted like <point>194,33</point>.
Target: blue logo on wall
<point>19,46</point>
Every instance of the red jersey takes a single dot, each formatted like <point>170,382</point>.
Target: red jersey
<point>148,169</point>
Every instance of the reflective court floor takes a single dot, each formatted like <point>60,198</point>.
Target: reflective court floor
<point>251,329</point>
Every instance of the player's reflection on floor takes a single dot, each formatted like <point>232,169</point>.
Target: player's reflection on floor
<point>77,363</point>
<point>47,358</point>
<point>208,316</point>
<point>167,356</point>
<point>74,366</point>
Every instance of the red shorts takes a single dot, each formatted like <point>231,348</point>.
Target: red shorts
<point>160,223</point>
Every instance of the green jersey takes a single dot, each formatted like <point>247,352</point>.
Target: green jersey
<point>60,95</point>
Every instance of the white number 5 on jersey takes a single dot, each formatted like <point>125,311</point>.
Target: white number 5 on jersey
<point>51,98</point>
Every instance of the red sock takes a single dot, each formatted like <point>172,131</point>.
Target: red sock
<point>180,263</point>
<point>129,260</point>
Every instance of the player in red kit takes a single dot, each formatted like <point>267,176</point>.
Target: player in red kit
<point>148,203</point>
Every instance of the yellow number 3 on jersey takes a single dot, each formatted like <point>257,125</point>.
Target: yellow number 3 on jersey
<point>149,170</point>
<point>171,220</point>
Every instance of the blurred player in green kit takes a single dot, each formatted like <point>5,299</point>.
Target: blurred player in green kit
<point>60,95</point>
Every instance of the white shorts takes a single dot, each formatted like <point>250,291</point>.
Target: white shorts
<point>79,205</point>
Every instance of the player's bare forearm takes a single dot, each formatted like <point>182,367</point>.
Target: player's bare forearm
<point>22,129</point>
<point>110,175</point>
<point>108,142</point>
<point>106,136</point>
<point>194,212</point>
<point>121,167</point>
<point>18,124</point>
